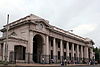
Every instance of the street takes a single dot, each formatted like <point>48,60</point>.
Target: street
<point>49,66</point>
<point>84,66</point>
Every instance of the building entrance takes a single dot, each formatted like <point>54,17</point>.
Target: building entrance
<point>37,48</point>
<point>19,52</point>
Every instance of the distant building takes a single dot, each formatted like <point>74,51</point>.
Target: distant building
<point>32,39</point>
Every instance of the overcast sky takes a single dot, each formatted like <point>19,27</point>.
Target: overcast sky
<point>82,16</point>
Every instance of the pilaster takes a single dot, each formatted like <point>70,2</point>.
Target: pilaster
<point>29,51</point>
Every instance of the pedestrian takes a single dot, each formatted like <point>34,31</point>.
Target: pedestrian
<point>89,62</point>
<point>65,62</point>
<point>62,63</point>
<point>43,60</point>
<point>52,60</point>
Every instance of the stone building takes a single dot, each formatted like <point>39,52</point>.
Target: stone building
<point>33,39</point>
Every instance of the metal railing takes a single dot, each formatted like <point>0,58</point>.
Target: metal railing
<point>45,59</point>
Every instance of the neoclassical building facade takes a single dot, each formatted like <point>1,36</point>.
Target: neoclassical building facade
<point>33,39</point>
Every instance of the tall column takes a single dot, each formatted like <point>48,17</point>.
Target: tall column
<point>54,50</point>
<point>4,51</point>
<point>86,52</point>
<point>67,50</point>
<point>47,49</point>
<point>31,46</point>
<point>44,51</point>
<point>77,52</point>
<point>72,54</point>
<point>86,56</point>
<point>0,53</point>
<point>82,52</point>
<point>91,53</point>
<point>61,50</point>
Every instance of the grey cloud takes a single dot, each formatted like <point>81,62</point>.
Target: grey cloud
<point>66,14</point>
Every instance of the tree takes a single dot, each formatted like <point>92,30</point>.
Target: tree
<point>97,54</point>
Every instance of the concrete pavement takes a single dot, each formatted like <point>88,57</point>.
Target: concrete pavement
<point>49,65</point>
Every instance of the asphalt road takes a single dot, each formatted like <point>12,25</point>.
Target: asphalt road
<point>83,66</point>
<point>62,66</point>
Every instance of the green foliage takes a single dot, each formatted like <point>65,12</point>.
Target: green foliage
<point>1,62</point>
<point>97,54</point>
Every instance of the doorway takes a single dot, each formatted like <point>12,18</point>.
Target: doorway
<point>37,48</point>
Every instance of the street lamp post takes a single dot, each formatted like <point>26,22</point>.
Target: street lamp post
<point>6,45</point>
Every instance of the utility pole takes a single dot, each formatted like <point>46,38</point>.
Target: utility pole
<point>6,44</point>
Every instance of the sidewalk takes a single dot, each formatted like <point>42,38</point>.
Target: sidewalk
<point>44,65</point>
<point>38,65</point>
<point>50,64</point>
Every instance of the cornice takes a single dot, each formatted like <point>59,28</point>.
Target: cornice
<point>69,36</point>
<point>11,37</point>
<point>33,19</point>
